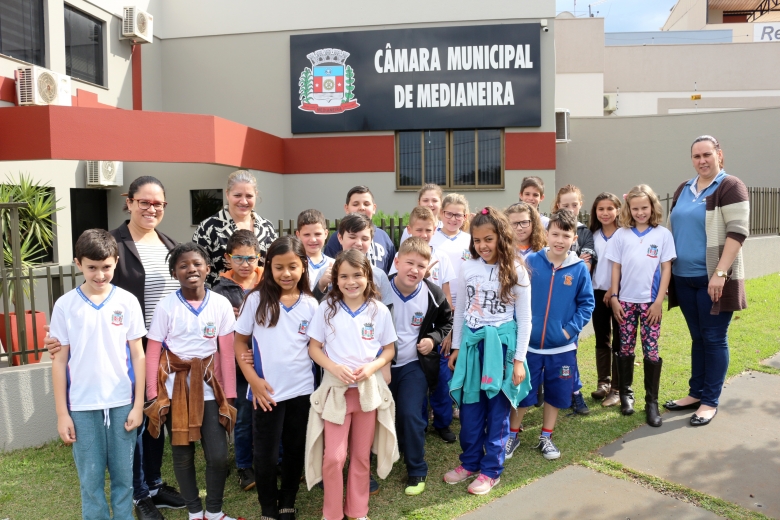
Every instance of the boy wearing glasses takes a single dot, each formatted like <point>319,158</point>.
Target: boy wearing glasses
<point>243,251</point>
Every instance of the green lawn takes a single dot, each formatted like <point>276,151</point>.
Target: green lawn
<point>41,483</point>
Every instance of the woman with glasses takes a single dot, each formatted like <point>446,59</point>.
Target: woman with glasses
<point>213,233</point>
<point>142,269</point>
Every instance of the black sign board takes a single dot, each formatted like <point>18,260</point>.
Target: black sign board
<point>476,76</point>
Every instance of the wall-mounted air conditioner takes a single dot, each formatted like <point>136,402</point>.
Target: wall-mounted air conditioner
<point>39,86</point>
<point>562,132</point>
<point>137,25</point>
<point>103,174</point>
<point>610,102</point>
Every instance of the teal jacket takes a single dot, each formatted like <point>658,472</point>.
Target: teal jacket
<point>495,374</point>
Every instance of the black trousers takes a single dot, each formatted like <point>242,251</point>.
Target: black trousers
<point>285,423</point>
<point>215,450</point>
<point>605,326</point>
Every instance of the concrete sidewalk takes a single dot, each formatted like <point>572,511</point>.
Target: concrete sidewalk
<point>736,458</point>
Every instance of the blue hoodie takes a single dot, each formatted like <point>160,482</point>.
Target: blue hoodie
<point>561,299</point>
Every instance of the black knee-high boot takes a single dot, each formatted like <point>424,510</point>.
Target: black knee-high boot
<point>626,368</point>
<point>652,382</point>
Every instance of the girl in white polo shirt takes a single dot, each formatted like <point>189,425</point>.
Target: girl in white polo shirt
<point>352,337</point>
<point>192,378</point>
<point>642,252</point>
<point>274,321</point>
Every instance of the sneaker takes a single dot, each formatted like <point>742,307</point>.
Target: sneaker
<point>415,486</point>
<point>373,486</point>
<point>287,513</point>
<point>361,518</point>
<point>446,435</point>
<point>483,484</point>
<point>226,517</point>
<point>458,474</point>
<point>246,478</point>
<point>539,396</point>
<point>511,446</point>
<point>578,404</point>
<point>168,498</point>
<point>145,510</point>
<point>548,449</point>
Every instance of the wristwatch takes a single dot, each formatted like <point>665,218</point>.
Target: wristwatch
<point>721,274</point>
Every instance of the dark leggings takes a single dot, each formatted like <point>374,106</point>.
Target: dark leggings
<point>286,422</point>
<point>215,449</point>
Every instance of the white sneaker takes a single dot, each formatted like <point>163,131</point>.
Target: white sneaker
<point>548,449</point>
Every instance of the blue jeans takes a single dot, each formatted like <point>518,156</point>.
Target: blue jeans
<point>147,462</point>
<point>440,399</point>
<point>242,432</point>
<point>409,386</point>
<point>99,446</point>
<point>484,430</point>
<point>709,339</point>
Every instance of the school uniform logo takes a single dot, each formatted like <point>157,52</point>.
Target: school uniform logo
<point>327,87</point>
<point>567,279</point>
<point>466,255</point>
<point>117,318</point>
<point>565,372</point>
<point>652,251</point>
<point>367,332</point>
<point>303,327</point>
<point>210,330</point>
<point>435,274</point>
<point>417,319</point>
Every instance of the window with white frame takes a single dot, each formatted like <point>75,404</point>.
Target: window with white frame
<point>83,46</point>
<point>21,30</point>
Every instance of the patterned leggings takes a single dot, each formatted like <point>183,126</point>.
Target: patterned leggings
<point>650,333</point>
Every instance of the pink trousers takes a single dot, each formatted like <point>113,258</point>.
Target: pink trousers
<point>354,436</point>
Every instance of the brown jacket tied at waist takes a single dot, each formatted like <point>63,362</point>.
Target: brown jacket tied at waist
<point>187,416</point>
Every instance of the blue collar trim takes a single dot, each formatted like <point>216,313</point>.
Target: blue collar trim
<point>349,311</point>
<point>91,303</point>
<point>294,305</point>
<point>192,309</point>
<point>643,233</point>
<point>405,298</point>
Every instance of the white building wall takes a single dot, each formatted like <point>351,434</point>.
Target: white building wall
<point>645,103</point>
<point>582,93</point>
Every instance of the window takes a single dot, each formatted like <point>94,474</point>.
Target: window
<point>83,46</point>
<point>462,159</point>
<point>21,30</point>
<point>203,204</point>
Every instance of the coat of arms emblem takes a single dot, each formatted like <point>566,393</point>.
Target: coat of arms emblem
<point>368,331</point>
<point>116,318</point>
<point>652,251</point>
<point>303,327</point>
<point>210,330</point>
<point>327,87</point>
<point>417,319</point>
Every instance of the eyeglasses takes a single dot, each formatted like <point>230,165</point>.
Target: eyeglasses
<point>456,216</point>
<point>242,259</point>
<point>146,204</point>
<point>521,224</point>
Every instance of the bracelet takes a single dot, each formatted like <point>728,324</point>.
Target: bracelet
<point>613,296</point>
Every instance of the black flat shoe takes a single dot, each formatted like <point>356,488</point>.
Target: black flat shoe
<point>674,407</point>
<point>701,421</point>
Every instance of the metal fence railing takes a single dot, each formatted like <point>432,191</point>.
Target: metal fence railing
<point>764,211</point>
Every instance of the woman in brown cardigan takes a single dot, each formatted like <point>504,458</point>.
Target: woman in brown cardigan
<point>709,222</point>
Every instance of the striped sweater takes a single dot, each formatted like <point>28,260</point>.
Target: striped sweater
<point>727,216</point>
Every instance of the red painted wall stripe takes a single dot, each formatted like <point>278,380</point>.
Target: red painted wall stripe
<point>352,154</point>
<point>83,133</point>
<point>529,150</point>
<point>8,89</point>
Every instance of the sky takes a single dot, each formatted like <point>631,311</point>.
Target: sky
<point>623,15</point>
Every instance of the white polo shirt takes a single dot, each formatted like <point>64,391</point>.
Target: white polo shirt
<point>408,315</point>
<point>189,332</point>
<point>640,256</point>
<point>281,352</point>
<point>354,338</point>
<point>317,270</point>
<point>602,274</point>
<point>441,272</point>
<point>457,249</point>
<point>100,369</point>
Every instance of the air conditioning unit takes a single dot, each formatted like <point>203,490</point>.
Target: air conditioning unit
<point>137,25</point>
<point>38,86</point>
<point>104,174</point>
<point>610,102</point>
<point>562,132</point>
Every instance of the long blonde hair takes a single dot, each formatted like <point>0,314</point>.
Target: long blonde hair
<point>638,192</point>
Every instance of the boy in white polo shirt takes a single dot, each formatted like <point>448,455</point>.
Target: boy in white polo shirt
<point>422,318</point>
<point>99,377</point>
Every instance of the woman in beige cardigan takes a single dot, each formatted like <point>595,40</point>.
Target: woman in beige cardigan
<point>709,222</point>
